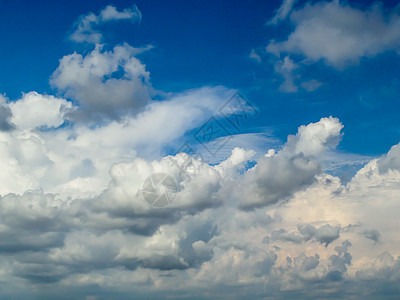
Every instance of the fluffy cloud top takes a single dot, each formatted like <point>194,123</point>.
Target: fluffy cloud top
<point>92,80</point>
<point>34,110</point>
<point>276,177</point>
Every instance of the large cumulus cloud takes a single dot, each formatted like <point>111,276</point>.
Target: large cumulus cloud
<point>305,228</point>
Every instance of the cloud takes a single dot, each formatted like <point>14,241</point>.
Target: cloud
<point>205,238</point>
<point>339,34</point>
<point>34,110</point>
<point>325,234</point>
<point>84,27</point>
<point>311,85</point>
<point>283,11</point>
<point>255,56</point>
<point>289,70</point>
<point>94,82</point>
<point>46,140</point>
<point>72,213</point>
<point>315,138</point>
<point>5,116</point>
<point>286,68</point>
<point>277,177</point>
<point>372,234</point>
<point>390,161</point>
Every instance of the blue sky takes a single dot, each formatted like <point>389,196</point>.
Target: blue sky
<point>103,106</point>
<point>208,43</point>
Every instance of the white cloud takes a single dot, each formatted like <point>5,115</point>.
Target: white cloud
<point>92,81</point>
<point>339,34</point>
<point>84,28</point>
<point>276,177</point>
<point>33,155</point>
<point>315,138</point>
<point>34,110</point>
<point>324,232</point>
<point>283,11</point>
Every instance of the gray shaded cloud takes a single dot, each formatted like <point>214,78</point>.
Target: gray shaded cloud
<point>325,234</point>
<point>93,81</point>
<point>5,116</point>
<point>277,177</point>
<point>390,161</point>
<point>372,234</point>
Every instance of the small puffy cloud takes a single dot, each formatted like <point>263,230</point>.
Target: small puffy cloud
<point>85,27</point>
<point>94,82</point>
<point>325,234</point>
<point>339,34</point>
<point>315,138</point>
<point>34,110</point>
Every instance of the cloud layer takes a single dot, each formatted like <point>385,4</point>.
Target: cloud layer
<point>73,216</point>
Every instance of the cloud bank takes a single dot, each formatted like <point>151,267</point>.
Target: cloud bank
<point>73,216</point>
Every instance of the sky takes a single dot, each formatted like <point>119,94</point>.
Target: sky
<point>199,149</point>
